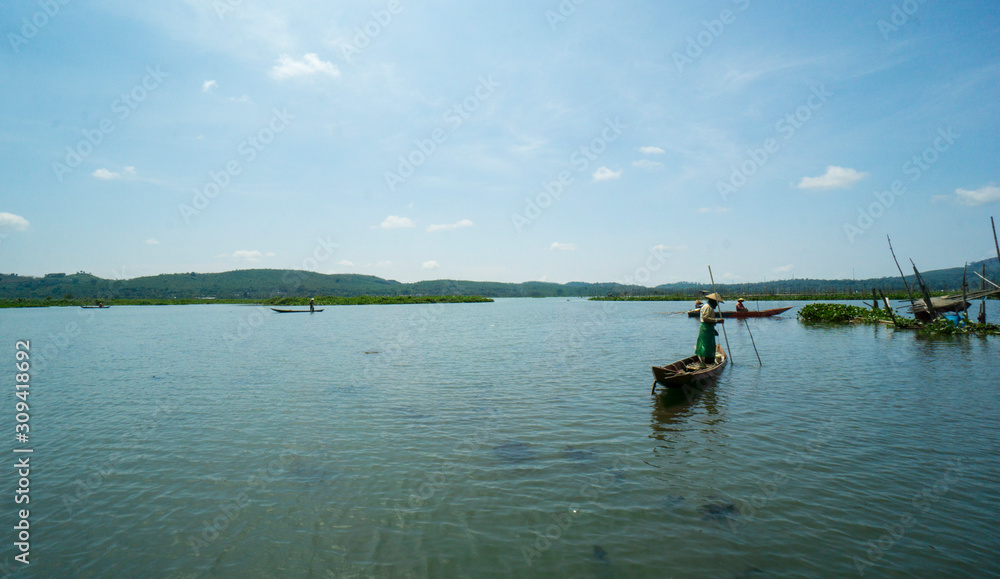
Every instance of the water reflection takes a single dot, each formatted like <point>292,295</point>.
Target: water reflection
<point>673,408</point>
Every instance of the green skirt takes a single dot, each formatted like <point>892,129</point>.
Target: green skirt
<point>706,341</point>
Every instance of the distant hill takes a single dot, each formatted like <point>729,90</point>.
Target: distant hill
<point>269,283</point>
<point>937,280</point>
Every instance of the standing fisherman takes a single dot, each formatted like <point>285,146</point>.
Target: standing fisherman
<point>705,348</point>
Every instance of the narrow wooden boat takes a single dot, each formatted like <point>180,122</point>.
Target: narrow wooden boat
<point>97,307</point>
<point>747,314</point>
<point>686,372</point>
<point>280,311</point>
<point>755,314</point>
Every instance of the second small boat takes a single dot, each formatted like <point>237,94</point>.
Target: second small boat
<point>746,314</point>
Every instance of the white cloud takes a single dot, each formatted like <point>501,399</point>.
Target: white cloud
<point>456,225</point>
<point>394,222</point>
<point>310,64</point>
<point>562,246</point>
<point>986,194</point>
<point>345,263</point>
<point>603,174</point>
<point>242,99</point>
<point>834,178</point>
<point>107,175</point>
<point>716,209</point>
<point>152,241</point>
<point>383,264</point>
<point>247,255</point>
<point>670,248</point>
<point>12,222</point>
<point>652,150</point>
<point>647,164</point>
<point>431,265</point>
<point>208,86</point>
<point>784,268</point>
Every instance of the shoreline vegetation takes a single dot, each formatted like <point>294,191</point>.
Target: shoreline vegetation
<point>320,301</point>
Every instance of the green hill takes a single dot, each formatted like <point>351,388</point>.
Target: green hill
<point>937,280</point>
<point>260,284</point>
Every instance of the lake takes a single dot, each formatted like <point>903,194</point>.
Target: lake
<point>512,439</point>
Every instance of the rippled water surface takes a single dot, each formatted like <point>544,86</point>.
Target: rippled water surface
<point>517,438</point>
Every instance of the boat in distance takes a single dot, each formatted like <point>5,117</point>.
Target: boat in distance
<point>746,314</point>
<point>97,307</point>
<point>687,372</point>
<point>280,311</point>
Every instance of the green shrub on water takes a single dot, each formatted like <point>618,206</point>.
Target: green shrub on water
<point>842,313</point>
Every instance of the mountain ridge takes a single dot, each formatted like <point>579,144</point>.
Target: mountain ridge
<point>268,283</point>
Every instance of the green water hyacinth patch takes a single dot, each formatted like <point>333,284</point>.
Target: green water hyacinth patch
<point>844,313</point>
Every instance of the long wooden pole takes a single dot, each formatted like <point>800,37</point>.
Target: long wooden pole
<point>965,294</point>
<point>982,305</point>
<point>746,323</point>
<point>888,308</point>
<point>995,244</point>
<point>724,334</point>
<point>927,294</point>
<point>910,293</point>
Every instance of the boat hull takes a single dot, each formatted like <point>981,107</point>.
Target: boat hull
<point>678,375</point>
<point>755,314</point>
<point>297,311</point>
<point>747,314</point>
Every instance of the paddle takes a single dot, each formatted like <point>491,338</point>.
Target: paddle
<point>726,336</point>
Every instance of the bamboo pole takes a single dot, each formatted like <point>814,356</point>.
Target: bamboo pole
<point>908,291</point>
<point>927,294</point>
<point>888,308</point>
<point>982,304</point>
<point>995,244</point>
<point>965,293</point>
<point>724,334</point>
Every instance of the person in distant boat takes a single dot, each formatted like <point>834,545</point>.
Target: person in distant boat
<point>740,307</point>
<point>698,304</point>
<point>705,347</point>
<point>312,305</point>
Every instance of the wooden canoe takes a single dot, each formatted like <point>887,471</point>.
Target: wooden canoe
<point>686,372</point>
<point>296,311</point>
<point>96,307</point>
<point>747,314</point>
<point>755,314</point>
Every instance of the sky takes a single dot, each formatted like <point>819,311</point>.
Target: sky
<point>562,140</point>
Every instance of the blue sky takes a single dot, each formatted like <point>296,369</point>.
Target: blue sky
<point>579,140</point>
